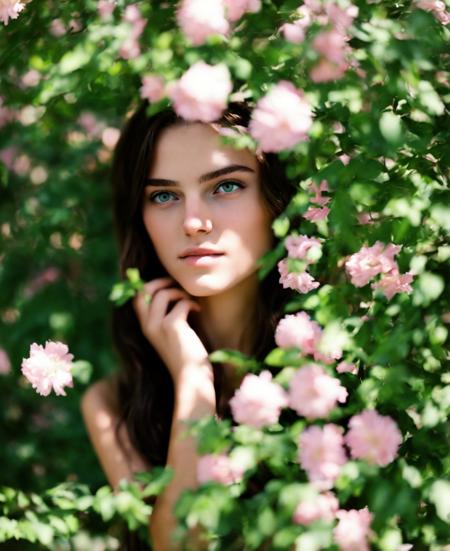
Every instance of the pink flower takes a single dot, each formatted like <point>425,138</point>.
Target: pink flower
<point>133,16</point>
<point>367,217</point>
<point>152,88</point>
<point>218,468</point>
<point>5,364</point>
<point>332,45</point>
<point>293,33</point>
<point>437,8</point>
<point>130,49</point>
<point>393,283</point>
<point>321,453</point>
<point>318,198</point>
<point>373,437</point>
<point>31,78</point>
<point>202,92</point>
<point>325,70</point>
<point>298,246</point>
<point>298,330</point>
<point>314,214</point>
<point>10,9</point>
<point>323,507</point>
<point>90,124</point>
<point>110,137</point>
<point>57,28</point>
<point>313,393</point>
<point>48,368</point>
<point>353,529</point>
<point>199,19</point>
<point>339,17</point>
<point>281,118</point>
<point>105,8</point>
<point>236,8</point>
<point>345,367</point>
<point>302,282</point>
<point>371,261</point>
<point>258,401</point>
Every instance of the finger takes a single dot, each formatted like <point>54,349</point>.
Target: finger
<point>161,301</point>
<point>181,310</point>
<point>140,300</point>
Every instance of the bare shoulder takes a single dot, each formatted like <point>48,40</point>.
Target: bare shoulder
<point>99,406</point>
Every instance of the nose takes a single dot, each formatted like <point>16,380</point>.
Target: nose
<point>196,220</point>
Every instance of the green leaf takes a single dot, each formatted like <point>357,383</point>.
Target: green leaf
<point>391,127</point>
<point>234,357</point>
<point>281,357</point>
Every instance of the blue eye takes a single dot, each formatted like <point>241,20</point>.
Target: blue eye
<point>230,183</point>
<point>158,194</point>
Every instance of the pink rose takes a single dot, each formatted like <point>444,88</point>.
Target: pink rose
<point>373,437</point>
<point>299,246</point>
<point>345,367</point>
<point>49,368</point>
<point>368,262</point>
<point>393,283</point>
<point>218,468</point>
<point>332,45</point>
<point>325,71</point>
<point>152,88</point>
<point>314,214</point>
<point>258,401</point>
<point>10,9</point>
<point>318,198</point>
<point>105,8</point>
<point>298,330</point>
<point>235,9</point>
<point>323,507</point>
<point>202,92</point>
<point>353,529</point>
<point>321,454</point>
<point>313,393</point>
<point>199,19</point>
<point>302,282</point>
<point>293,33</point>
<point>281,118</point>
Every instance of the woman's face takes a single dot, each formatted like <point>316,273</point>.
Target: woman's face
<point>186,205</point>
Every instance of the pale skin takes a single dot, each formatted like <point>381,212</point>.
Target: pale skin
<point>214,200</point>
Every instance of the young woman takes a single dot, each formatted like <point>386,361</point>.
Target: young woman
<point>195,217</point>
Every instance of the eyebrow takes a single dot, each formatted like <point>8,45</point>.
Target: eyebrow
<point>204,178</point>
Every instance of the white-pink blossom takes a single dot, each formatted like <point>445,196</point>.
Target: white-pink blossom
<point>298,330</point>
<point>202,92</point>
<point>313,393</point>
<point>5,364</point>
<point>130,49</point>
<point>322,507</point>
<point>332,45</point>
<point>341,18</point>
<point>199,19</point>
<point>373,437</point>
<point>31,78</point>
<point>235,9</point>
<point>318,198</point>
<point>322,454</point>
<point>302,247</point>
<point>346,367</point>
<point>437,8</point>
<point>258,401</point>
<point>314,214</point>
<point>293,33</point>
<point>282,118</point>
<point>302,282</point>
<point>57,28</point>
<point>353,529</point>
<point>218,468</point>
<point>49,368</point>
<point>153,88</point>
<point>368,262</point>
<point>105,8</point>
<point>393,283</point>
<point>10,9</point>
<point>325,70</point>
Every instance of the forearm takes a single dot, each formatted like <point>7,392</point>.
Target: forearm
<point>194,399</point>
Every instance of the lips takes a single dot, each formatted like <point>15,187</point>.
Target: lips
<point>200,251</point>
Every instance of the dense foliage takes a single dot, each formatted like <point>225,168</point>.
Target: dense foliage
<point>378,90</point>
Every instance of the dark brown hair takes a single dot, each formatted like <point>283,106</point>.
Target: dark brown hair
<point>145,389</point>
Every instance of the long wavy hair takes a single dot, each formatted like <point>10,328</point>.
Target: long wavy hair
<point>145,388</point>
